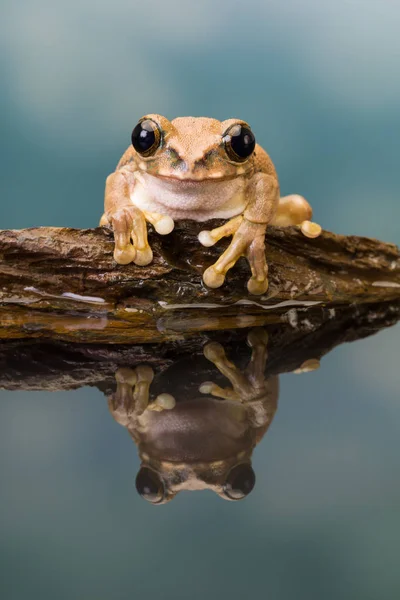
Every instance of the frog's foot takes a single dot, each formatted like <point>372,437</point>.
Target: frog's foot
<point>129,225</point>
<point>130,233</point>
<point>247,385</point>
<point>132,394</point>
<point>121,402</point>
<point>248,240</point>
<point>295,210</point>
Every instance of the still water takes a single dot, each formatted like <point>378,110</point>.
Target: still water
<point>321,521</point>
<point>318,82</point>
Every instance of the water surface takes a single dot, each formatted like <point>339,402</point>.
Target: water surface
<point>322,520</point>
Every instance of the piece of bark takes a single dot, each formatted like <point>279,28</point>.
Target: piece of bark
<point>53,366</point>
<point>60,283</point>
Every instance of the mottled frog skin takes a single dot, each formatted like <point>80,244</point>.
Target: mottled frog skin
<point>200,168</point>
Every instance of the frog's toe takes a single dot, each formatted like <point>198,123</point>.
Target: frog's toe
<point>126,375</point>
<point>214,351</point>
<point>206,387</point>
<point>212,278</point>
<point>144,373</point>
<point>205,238</point>
<point>165,401</point>
<point>310,229</point>
<point>143,256</point>
<point>257,336</point>
<point>124,256</point>
<point>104,221</point>
<point>164,225</point>
<point>257,287</point>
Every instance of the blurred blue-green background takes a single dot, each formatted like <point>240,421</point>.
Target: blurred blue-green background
<point>319,83</point>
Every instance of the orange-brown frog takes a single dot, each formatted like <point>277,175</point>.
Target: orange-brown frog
<point>198,442</point>
<point>200,168</point>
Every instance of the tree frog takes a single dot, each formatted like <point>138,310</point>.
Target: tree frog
<point>200,168</point>
<point>204,438</point>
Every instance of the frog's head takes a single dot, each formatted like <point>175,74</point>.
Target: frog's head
<point>193,149</point>
<point>159,482</point>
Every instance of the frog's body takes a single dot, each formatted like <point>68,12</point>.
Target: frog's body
<point>178,435</point>
<point>199,168</point>
<point>198,442</point>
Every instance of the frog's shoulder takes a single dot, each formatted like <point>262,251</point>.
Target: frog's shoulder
<point>263,162</point>
<point>129,158</point>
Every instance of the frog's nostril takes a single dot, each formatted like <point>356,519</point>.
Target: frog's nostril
<point>174,156</point>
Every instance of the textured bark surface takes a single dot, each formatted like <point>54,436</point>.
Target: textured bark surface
<point>38,365</point>
<point>63,284</point>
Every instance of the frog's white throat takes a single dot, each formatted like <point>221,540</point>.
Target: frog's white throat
<point>195,200</point>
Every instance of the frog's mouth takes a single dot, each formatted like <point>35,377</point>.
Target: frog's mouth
<point>196,180</point>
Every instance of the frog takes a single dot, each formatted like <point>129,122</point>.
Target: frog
<point>200,168</point>
<point>205,439</point>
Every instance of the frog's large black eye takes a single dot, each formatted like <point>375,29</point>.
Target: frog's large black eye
<point>240,482</point>
<point>146,137</point>
<point>239,142</point>
<point>149,485</point>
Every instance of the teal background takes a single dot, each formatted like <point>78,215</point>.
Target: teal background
<point>319,83</point>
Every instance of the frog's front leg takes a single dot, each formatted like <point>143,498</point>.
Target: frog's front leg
<point>248,232</point>
<point>129,222</point>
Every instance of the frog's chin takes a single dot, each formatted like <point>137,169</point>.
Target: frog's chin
<point>187,199</point>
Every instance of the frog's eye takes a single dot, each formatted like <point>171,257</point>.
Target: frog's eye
<point>240,482</point>
<point>146,137</point>
<point>149,485</point>
<point>239,142</point>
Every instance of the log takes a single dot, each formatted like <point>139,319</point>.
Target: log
<point>37,365</point>
<point>63,284</point>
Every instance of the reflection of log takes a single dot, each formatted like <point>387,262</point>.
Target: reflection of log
<point>64,284</point>
<point>38,365</point>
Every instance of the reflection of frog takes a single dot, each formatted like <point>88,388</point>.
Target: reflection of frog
<point>200,442</point>
<point>199,169</point>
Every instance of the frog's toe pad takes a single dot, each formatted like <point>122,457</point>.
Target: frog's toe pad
<point>165,401</point>
<point>164,226</point>
<point>310,229</point>
<point>212,278</point>
<point>144,257</point>
<point>256,286</point>
<point>126,375</point>
<point>257,336</point>
<point>214,351</point>
<point>206,387</point>
<point>124,256</point>
<point>205,238</point>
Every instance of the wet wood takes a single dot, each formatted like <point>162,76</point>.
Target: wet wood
<point>63,284</point>
<point>38,365</point>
